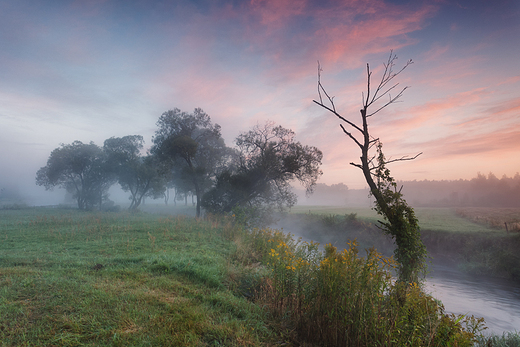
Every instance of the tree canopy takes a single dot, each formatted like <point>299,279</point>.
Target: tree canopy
<point>79,168</point>
<point>140,175</point>
<point>192,147</point>
<point>268,159</point>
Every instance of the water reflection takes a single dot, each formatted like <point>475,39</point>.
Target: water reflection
<point>495,300</point>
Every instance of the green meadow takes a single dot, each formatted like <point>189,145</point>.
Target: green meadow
<point>70,278</point>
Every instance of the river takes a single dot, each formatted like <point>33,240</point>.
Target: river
<point>496,300</point>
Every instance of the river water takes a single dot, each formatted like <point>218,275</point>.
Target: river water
<point>497,301</point>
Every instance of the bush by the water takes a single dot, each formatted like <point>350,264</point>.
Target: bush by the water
<point>336,298</point>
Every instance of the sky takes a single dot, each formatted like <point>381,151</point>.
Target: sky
<point>92,69</point>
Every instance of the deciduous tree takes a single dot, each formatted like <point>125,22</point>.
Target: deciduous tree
<point>267,162</point>
<point>399,218</point>
<point>79,168</point>
<point>193,148</point>
<point>140,175</point>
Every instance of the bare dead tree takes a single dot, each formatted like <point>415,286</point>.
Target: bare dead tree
<point>400,221</point>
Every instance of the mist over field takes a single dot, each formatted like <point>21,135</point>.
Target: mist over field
<point>481,191</point>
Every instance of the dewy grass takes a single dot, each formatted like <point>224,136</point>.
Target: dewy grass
<point>69,278</point>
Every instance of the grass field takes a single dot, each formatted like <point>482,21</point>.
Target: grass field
<point>496,218</point>
<point>69,278</point>
<point>434,219</point>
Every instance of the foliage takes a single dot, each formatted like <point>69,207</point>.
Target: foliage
<point>193,148</point>
<point>447,237</point>
<point>400,223</point>
<point>509,339</point>
<point>81,169</point>
<point>140,175</point>
<point>334,298</point>
<point>268,160</point>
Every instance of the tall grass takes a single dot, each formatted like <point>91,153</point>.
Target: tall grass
<point>492,253</point>
<point>507,339</point>
<point>332,298</point>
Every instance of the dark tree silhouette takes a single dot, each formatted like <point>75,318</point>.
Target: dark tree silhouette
<point>193,148</point>
<point>399,218</point>
<point>268,159</point>
<point>140,175</point>
<point>81,169</point>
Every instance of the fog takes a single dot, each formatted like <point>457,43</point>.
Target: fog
<point>481,191</point>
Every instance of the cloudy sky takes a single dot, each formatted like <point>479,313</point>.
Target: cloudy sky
<point>91,69</point>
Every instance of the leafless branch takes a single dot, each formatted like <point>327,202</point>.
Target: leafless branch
<point>404,158</point>
<point>350,135</point>
<point>357,165</point>
<point>369,74</point>
<point>392,100</point>
<point>388,75</point>
<point>320,88</point>
<point>339,116</point>
<point>368,100</point>
<point>332,108</point>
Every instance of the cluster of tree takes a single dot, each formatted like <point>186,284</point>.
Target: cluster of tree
<point>189,154</point>
<point>87,171</point>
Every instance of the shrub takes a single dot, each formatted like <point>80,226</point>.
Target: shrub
<point>333,298</point>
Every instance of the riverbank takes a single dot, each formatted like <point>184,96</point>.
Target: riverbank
<point>451,239</point>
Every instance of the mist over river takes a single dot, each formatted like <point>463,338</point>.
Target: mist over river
<point>496,300</point>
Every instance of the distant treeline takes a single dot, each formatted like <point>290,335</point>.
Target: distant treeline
<point>481,191</point>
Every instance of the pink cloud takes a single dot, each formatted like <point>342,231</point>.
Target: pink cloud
<point>435,53</point>
<point>464,144</point>
<point>339,33</point>
<point>510,107</point>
